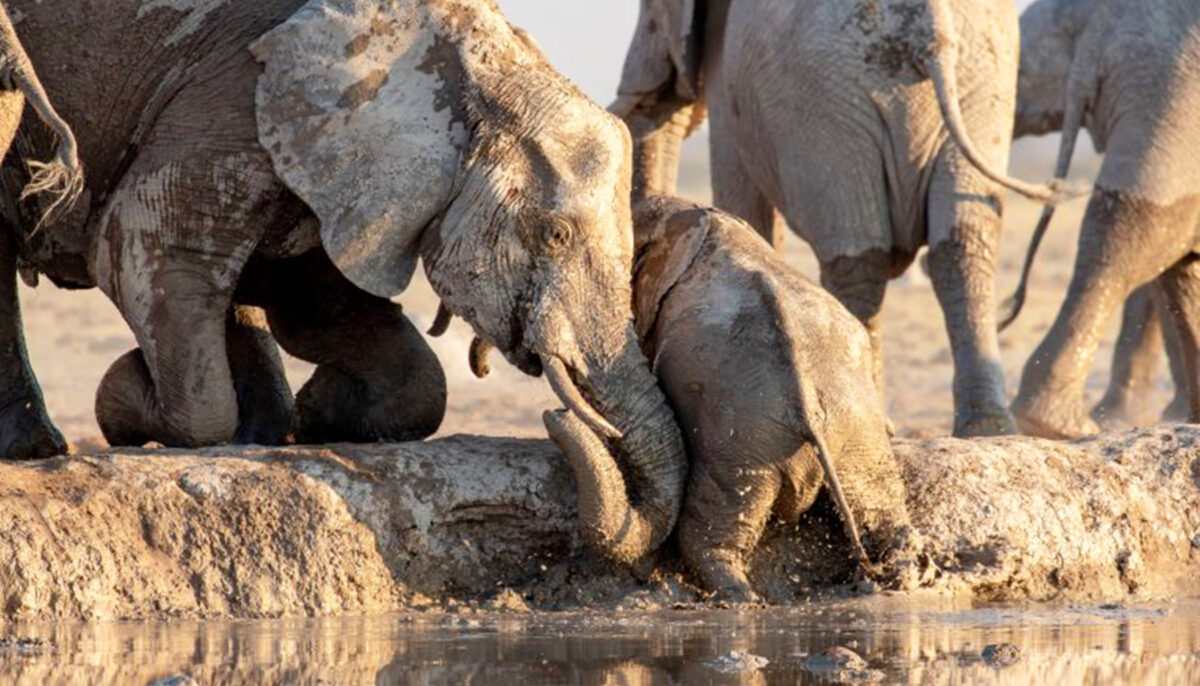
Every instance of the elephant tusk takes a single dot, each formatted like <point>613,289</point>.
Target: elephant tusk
<point>564,388</point>
<point>624,105</point>
<point>441,322</point>
<point>478,357</point>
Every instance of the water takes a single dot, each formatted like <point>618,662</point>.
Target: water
<point>908,641</point>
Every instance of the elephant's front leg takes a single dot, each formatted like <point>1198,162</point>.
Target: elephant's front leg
<point>964,231</point>
<point>26,431</point>
<point>377,379</point>
<point>265,402</point>
<point>1125,243</point>
<point>723,518</point>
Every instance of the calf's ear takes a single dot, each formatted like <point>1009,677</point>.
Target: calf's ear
<point>669,242</point>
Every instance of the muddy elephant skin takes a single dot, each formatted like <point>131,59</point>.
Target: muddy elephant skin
<point>873,127</point>
<point>771,379</point>
<point>301,157</point>
<point>1127,71</point>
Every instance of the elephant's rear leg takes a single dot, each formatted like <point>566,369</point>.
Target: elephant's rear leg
<point>963,211</point>
<point>1181,287</point>
<point>26,431</point>
<point>1135,362</point>
<point>376,380</point>
<point>723,518</point>
<point>859,282</point>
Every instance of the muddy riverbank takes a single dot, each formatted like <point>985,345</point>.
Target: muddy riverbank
<point>258,532</point>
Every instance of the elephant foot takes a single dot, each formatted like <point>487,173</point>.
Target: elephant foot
<point>1113,413</point>
<point>1179,411</point>
<point>334,407</point>
<point>727,583</point>
<point>996,423</point>
<point>1060,421</point>
<point>26,432</point>
<point>265,425</point>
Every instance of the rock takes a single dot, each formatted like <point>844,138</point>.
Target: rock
<point>507,600</point>
<point>841,665</point>
<point>737,661</point>
<point>1001,654</point>
<point>368,529</point>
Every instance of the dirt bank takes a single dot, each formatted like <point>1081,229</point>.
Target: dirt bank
<point>230,532</point>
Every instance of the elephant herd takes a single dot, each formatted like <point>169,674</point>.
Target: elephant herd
<point>268,173</point>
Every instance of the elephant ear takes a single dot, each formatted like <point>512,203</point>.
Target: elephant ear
<point>667,49</point>
<point>358,107</point>
<point>670,234</point>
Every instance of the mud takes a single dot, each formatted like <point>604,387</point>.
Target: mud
<point>260,532</point>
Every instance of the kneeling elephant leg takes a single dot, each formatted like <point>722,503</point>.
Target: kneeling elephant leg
<point>377,379</point>
<point>264,399</point>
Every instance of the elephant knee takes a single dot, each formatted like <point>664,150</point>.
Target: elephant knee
<point>125,401</point>
<point>129,413</point>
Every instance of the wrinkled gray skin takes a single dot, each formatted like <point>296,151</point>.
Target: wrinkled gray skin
<point>275,154</point>
<point>825,110</point>
<point>1147,327</point>
<point>771,379</point>
<point>1130,72</point>
<point>25,429</point>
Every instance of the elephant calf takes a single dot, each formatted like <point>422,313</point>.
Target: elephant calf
<point>771,380</point>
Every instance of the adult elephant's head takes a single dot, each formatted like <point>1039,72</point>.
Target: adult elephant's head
<point>435,130</point>
<point>660,96</point>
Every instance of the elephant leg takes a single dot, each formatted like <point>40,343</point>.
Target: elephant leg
<point>859,282</point>
<point>26,431</point>
<point>377,379</point>
<point>1181,287</point>
<point>734,192</point>
<point>723,518</point>
<point>1134,362</point>
<point>1178,410</point>
<point>1124,244</point>
<point>964,231</point>
<point>264,399</point>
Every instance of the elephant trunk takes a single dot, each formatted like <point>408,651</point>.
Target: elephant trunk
<point>630,488</point>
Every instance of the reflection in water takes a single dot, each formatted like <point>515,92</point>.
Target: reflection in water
<point>911,641</point>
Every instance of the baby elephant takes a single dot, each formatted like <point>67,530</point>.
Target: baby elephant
<point>771,381</point>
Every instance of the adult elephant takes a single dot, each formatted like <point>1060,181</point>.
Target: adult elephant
<point>301,156</point>
<point>825,110</point>
<point>1128,72</point>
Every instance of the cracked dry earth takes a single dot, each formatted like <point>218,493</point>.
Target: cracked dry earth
<point>258,532</point>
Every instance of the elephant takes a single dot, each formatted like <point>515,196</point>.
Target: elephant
<point>1147,327</point>
<point>873,126</point>
<point>24,426</point>
<point>299,157</point>
<point>1125,70</point>
<point>772,382</point>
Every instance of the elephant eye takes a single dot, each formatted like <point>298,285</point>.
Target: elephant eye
<point>558,233</point>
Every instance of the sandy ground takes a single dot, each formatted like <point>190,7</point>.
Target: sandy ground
<point>74,336</point>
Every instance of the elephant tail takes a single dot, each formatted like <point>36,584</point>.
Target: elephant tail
<point>1076,103</point>
<point>943,71</point>
<point>62,177</point>
<point>814,414</point>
